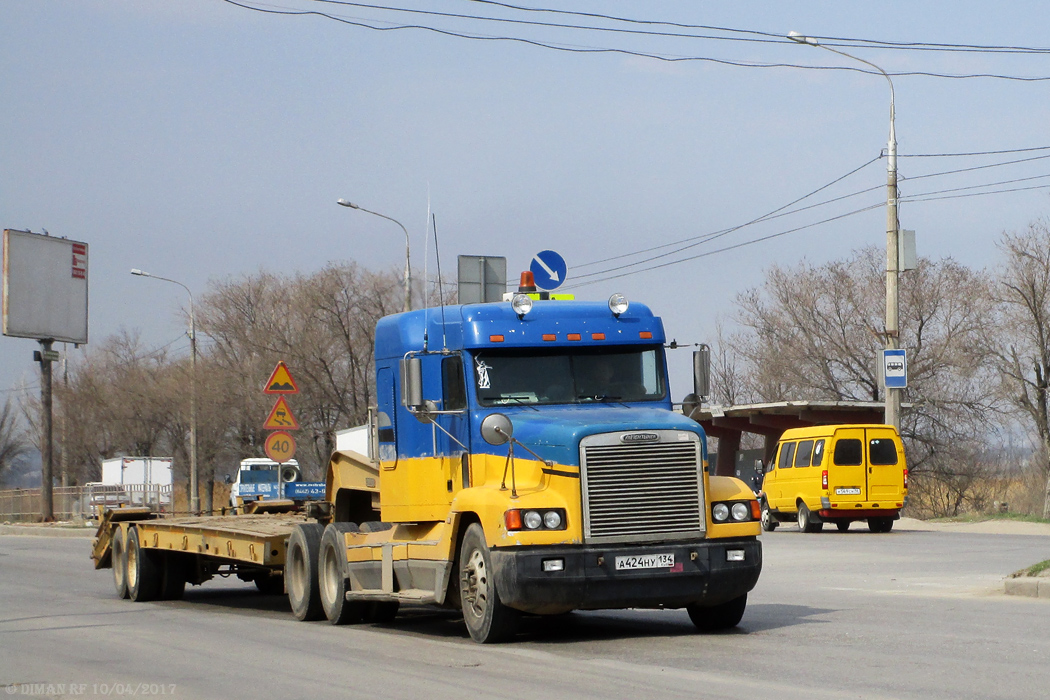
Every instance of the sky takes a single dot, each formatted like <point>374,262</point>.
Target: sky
<point>199,141</point>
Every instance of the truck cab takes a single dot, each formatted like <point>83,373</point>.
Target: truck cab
<point>526,458</point>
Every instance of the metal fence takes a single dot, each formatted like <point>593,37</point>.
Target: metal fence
<point>82,502</point>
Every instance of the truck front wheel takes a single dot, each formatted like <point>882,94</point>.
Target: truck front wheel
<point>488,620</point>
<point>300,571</point>
<point>718,617</point>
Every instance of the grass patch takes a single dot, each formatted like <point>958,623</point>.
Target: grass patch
<point>983,517</point>
<point>1033,570</point>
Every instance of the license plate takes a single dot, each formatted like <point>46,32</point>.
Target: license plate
<point>847,492</point>
<point>645,561</point>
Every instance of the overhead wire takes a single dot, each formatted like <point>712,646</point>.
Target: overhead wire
<point>670,58</point>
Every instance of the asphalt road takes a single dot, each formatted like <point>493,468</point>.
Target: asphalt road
<point>910,614</point>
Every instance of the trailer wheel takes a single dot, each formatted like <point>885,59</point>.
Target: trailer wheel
<point>332,582</point>
<point>488,620</point>
<point>300,571</point>
<point>145,570</point>
<point>119,561</point>
<point>173,583</point>
<point>718,617</point>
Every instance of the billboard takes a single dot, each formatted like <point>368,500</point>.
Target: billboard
<point>45,290</point>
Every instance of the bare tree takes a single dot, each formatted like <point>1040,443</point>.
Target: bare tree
<point>1023,291</point>
<point>12,440</point>
<point>815,332</point>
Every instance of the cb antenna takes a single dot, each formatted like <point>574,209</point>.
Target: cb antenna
<point>441,301</point>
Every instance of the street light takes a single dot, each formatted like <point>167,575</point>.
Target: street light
<point>194,501</point>
<point>893,396</point>
<point>408,267</point>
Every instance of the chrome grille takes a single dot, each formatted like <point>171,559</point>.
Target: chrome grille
<point>642,491</point>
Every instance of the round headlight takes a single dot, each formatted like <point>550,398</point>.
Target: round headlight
<point>532,519</point>
<point>741,512</point>
<point>721,512</point>
<point>521,303</point>
<point>552,520</point>
<point>618,304</point>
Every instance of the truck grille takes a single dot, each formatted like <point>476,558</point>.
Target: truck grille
<point>642,491</point>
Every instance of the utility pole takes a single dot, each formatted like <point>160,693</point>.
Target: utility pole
<point>892,329</point>
<point>47,494</point>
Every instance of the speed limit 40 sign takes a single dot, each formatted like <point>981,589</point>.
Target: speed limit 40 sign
<point>280,446</point>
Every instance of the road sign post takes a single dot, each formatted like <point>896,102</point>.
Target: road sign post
<point>548,269</point>
<point>895,368</point>
<point>280,445</point>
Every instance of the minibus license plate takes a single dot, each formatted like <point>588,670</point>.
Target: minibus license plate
<point>847,492</point>
<point>646,561</point>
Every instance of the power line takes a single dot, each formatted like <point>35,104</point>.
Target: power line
<point>975,153</point>
<point>670,58</point>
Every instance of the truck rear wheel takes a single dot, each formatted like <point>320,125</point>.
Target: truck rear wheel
<point>842,525</point>
<point>119,560</point>
<point>718,617</point>
<point>488,620</point>
<point>333,583</point>
<point>270,585</point>
<point>145,570</point>
<point>300,571</point>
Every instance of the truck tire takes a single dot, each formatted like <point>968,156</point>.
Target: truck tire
<point>145,570</point>
<point>880,524</point>
<point>718,617</point>
<point>332,581</point>
<point>806,521</point>
<point>488,620</point>
<point>842,525</point>
<point>769,523</point>
<point>173,581</point>
<point>119,560</point>
<point>300,571</point>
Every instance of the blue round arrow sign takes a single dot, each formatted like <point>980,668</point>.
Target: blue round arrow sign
<point>548,269</point>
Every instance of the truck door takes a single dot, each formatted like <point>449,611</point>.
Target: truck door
<point>885,466</point>
<point>847,471</point>
<point>453,443</point>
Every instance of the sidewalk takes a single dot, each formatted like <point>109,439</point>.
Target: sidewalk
<point>49,529</point>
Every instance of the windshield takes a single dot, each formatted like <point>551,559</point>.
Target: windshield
<point>560,376</point>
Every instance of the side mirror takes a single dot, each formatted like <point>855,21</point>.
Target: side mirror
<point>228,480</point>
<point>496,429</point>
<point>411,382</point>
<point>702,371</point>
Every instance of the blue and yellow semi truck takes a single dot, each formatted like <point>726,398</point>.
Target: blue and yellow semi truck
<point>525,458</point>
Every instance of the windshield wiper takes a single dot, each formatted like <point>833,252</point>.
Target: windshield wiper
<point>598,397</point>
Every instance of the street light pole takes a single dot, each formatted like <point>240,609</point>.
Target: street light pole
<point>194,496</point>
<point>892,331</point>
<point>408,266</point>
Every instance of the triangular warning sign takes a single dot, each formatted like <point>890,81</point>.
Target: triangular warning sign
<point>281,382</point>
<point>281,417</point>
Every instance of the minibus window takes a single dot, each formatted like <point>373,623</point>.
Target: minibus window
<point>818,453</point>
<point>787,451</point>
<point>805,449</point>
<point>848,453</point>
<point>882,451</point>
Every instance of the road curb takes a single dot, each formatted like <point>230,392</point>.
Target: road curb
<point>1031,586</point>
<point>46,531</point>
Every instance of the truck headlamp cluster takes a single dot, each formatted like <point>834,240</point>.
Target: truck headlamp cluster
<point>737,511</point>
<point>535,519</point>
<point>618,304</point>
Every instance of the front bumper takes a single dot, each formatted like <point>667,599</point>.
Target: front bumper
<point>589,581</point>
